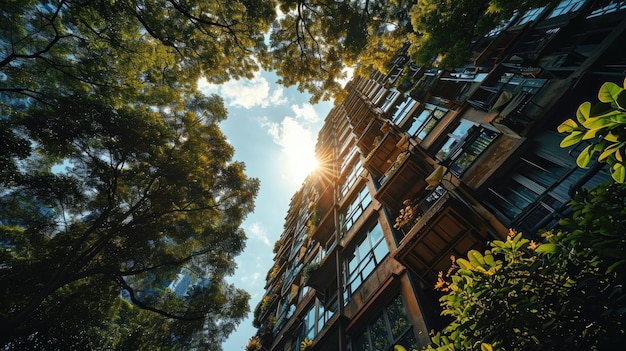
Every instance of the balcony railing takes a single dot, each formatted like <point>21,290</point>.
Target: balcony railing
<point>405,178</point>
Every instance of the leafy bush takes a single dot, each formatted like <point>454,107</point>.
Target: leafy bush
<point>564,293</point>
<point>603,127</point>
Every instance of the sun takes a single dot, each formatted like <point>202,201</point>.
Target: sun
<point>301,165</point>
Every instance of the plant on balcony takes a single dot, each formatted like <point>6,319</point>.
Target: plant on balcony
<point>396,164</point>
<point>266,331</point>
<point>375,144</point>
<point>310,268</point>
<point>603,126</point>
<point>254,344</point>
<point>306,344</point>
<point>408,216</point>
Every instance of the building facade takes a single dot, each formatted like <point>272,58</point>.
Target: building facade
<point>419,165</point>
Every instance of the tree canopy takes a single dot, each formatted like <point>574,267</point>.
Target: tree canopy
<point>117,200</point>
<point>114,174</point>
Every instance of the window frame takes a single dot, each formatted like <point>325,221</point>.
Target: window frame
<point>434,115</point>
<point>366,251</point>
<point>388,321</point>
<point>353,211</point>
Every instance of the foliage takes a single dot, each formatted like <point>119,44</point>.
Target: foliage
<point>603,127</point>
<point>447,29</point>
<point>408,215</point>
<point>564,293</point>
<point>310,268</point>
<point>121,199</point>
<point>316,39</point>
<point>305,344</point>
<point>254,344</point>
<point>114,174</point>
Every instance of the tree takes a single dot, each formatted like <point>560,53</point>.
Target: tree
<point>564,293</point>
<point>118,199</point>
<point>314,40</point>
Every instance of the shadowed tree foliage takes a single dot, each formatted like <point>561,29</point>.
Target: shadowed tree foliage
<point>112,200</point>
<point>314,40</point>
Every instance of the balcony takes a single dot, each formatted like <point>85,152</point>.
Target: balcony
<point>449,228</point>
<point>405,178</point>
<point>319,275</point>
<point>382,155</point>
<point>366,124</point>
<point>370,133</point>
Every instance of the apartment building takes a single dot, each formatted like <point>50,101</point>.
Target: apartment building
<point>420,164</point>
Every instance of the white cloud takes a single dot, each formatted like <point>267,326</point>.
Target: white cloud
<point>277,97</point>
<point>305,112</point>
<point>246,93</point>
<point>257,232</point>
<point>297,142</point>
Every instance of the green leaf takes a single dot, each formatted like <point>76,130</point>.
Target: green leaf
<point>486,347</point>
<point>609,92</point>
<point>547,248</point>
<point>567,126</point>
<point>611,137</point>
<point>618,117</point>
<point>490,261</point>
<point>615,265</point>
<point>582,113</point>
<point>600,121</point>
<point>476,258</point>
<point>572,139</point>
<point>618,172</point>
<point>591,133</point>
<point>463,263</point>
<point>621,99</point>
<point>585,156</point>
<point>609,151</point>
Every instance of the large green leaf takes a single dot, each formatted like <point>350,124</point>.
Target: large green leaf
<point>609,92</point>
<point>609,151</point>
<point>621,99</point>
<point>572,139</point>
<point>583,111</point>
<point>567,126</point>
<point>618,172</point>
<point>585,156</point>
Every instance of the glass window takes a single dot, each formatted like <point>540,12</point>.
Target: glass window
<point>465,145</point>
<point>402,110</point>
<point>454,138</point>
<point>391,327</point>
<point>351,178</point>
<point>389,100</point>
<point>601,8</point>
<point>566,6</point>
<point>530,15</point>
<point>355,209</point>
<point>500,27</point>
<point>367,254</point>
<point>425,121</point>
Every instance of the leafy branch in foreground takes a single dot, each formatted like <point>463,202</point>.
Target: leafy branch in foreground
<point>563,293</point>
<point>603,127</point>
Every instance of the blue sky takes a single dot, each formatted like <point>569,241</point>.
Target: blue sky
<point>273,130</point>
